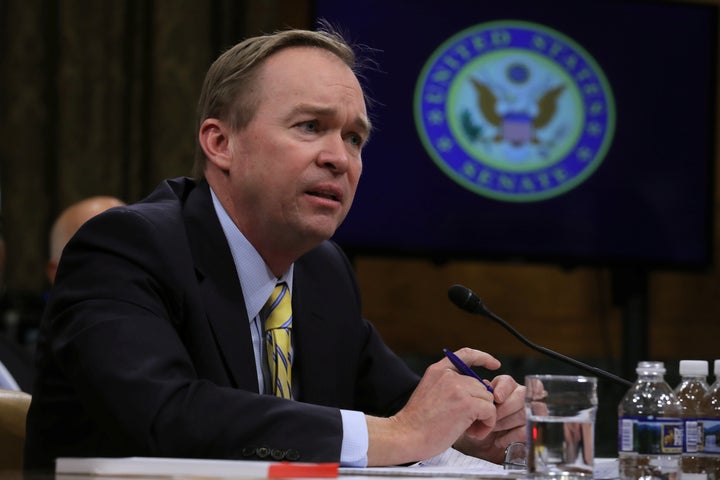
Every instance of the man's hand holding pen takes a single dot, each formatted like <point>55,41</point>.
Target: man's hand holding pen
<point>509,399</point>
<point>447,409</point>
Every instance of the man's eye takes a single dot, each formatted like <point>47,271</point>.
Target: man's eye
<point>310,126</point>
<point>356,140</point>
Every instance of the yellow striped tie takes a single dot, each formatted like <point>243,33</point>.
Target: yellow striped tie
<point>278,322</point>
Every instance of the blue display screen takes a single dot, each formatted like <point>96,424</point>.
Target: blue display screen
<point>571,132</point>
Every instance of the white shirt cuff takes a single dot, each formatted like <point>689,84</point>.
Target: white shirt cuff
<point>355,439</point>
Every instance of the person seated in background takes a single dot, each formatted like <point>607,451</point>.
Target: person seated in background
<point>216,318</point>
<point>17,371</point>
<point>16,368</point>
<point>69,221</point>
<point>16,364</point>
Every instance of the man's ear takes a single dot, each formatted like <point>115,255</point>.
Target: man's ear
<point>215,142</point>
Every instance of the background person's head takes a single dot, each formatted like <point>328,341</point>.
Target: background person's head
<point>68,223</point>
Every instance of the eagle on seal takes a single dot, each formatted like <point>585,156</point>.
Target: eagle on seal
<point>517,127</point>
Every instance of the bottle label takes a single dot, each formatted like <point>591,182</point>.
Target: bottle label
<point>650,435</point>
<point>711,429</point>
<point>694,430</point>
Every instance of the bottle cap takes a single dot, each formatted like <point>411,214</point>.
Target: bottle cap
<point>693,368</point>
<point>717,368</point>
<point>645,367</point>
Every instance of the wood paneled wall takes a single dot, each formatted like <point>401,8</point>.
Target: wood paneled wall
<point>569,311</point>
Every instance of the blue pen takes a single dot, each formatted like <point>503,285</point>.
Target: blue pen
<point>464,369</point>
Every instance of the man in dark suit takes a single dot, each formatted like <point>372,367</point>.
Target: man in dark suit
<point>152,343</point>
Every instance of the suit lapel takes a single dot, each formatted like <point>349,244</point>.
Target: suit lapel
<point>220,288</point>
<point>311,329</point>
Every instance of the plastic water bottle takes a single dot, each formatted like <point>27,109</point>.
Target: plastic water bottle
<point>710,408</point>
<point>650,432</point>
<point>690,392</point>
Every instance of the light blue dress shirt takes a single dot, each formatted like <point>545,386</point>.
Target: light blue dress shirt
<point>257,283</point>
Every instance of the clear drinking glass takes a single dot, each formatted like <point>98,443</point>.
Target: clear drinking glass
<point>561,412</point>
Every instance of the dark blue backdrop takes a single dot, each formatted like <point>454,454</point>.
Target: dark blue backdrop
<point>650,201</point>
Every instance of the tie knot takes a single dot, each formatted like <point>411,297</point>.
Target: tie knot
<point>278,308</point>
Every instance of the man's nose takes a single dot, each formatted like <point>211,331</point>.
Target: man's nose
<point>334,154</point>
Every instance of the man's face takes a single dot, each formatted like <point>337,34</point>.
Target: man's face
<point>295,167</point>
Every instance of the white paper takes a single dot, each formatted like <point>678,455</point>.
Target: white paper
<point>452,463</point>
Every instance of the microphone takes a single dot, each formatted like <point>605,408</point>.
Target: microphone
<point>467,300</point>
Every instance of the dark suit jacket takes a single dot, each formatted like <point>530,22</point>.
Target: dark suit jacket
<point>145,346</point>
